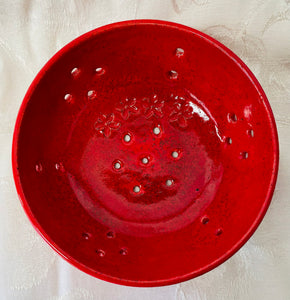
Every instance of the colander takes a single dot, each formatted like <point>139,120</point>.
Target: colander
<point>145,153</point>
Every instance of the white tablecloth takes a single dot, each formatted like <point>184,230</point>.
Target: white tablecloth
<point>32,31</point>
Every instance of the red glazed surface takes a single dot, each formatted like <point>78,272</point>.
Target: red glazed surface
<point>152,162</point>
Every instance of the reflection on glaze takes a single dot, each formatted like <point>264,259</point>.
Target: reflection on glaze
<point>198,111</point>
<point>248,112</point>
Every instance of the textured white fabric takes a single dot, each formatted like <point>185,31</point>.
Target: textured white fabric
<point>32,31</point>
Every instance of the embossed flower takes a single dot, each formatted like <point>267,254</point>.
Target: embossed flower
<point>127,107</point>
<point>181,113</point>
<point>153,107</point>
<point>106,123</point>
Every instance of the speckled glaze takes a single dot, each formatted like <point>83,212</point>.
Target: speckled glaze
<point>145,153</point>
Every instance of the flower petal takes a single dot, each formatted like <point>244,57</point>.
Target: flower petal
<point>133,109</point>
<point>100,127</point>
<point>125,114</point>
<point>187,109</point>
<point>107,131</point>
<point>182,121</point>
<point>177,106</point>
<point>173,117</point>
<point>158,112</point>
<point>110,118</point>
<point>149,113</point>
<point>187,115</point>
<point>132,102</point>
<point>115,125</point>
<point>159,104</point>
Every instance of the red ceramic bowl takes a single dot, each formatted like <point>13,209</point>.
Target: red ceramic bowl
<point>145,153</point>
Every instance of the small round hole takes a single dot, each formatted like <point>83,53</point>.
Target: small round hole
<point>117,165</point>
<point>172,74</point>
<point>127,138</point>
<point>156,130</point>
<point>100,252</point>
<point>136,189</point>
<point>123,251</point>
<point>179,52</point>
<point>75,72</point>
<point>59,167</point>
<point>110,234</point>
<point>175,154</point>
<point>232,117</point>
<point>145,160</point>
<point>218,232</point>
<point>244,155</point>
<point>38,168</point>
<point>205,220</point>
<point>229,140</point>
<point>85,236</point>
<point>169,182</point>
<point>68,97</point>
<point>100,71</point>
<point>92,94</point>
<point>251,133</point>
<point>197,190</point>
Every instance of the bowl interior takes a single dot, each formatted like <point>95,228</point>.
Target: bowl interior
<point>145,153</point>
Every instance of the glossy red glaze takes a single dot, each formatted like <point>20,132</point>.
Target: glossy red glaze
<point>145,153</point>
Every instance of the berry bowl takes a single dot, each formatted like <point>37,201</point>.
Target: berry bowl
<point>145,153</point>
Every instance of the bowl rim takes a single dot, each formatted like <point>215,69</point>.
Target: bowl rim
<point>64,254</point>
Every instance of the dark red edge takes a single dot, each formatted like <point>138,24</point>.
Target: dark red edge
<point>163,282</point>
